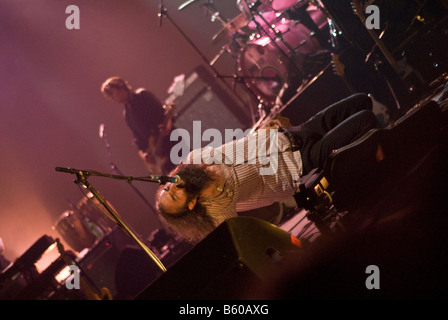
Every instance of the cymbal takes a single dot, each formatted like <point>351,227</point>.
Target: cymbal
<point>183,5</point>
<point>234,25</point>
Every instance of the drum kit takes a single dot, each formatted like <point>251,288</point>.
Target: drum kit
<point>270,48</point>
<point>84,224</point>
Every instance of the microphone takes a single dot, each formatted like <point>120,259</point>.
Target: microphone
<point>164,179</point>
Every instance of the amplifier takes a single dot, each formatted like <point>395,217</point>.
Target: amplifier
<point>206,100</point>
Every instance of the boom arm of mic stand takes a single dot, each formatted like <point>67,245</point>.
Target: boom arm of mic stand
<point>83,180</point>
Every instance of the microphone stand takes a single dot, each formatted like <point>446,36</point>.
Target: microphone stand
<point>81,180</point>
<point>114,168</point>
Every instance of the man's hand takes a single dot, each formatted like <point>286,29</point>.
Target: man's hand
<point>272,124</point>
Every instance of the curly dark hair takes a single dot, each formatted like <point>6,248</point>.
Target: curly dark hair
<point>192,225</point>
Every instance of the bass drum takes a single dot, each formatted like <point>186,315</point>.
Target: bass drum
<point>267,66</point>
<point>264,70</point>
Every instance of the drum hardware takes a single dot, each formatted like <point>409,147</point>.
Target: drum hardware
<point>244,80</point>
<point>333,34</point>
<point>278,35</point>
<point>210,7</point>
<point>279,107</point>
<point>214,13</point>
<point>220,53</point>
<point>268,18</point>
<point>233,47</point>
<point>247,6</point>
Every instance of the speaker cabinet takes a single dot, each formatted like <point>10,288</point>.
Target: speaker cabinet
<point>241,253</point>
<point>206,100</point>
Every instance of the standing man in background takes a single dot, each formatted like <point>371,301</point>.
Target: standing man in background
<point>150,121</point>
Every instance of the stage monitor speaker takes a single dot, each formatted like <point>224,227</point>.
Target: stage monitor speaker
<point>206,100</point>
<point>118,264</point>
<point>242,253</point>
